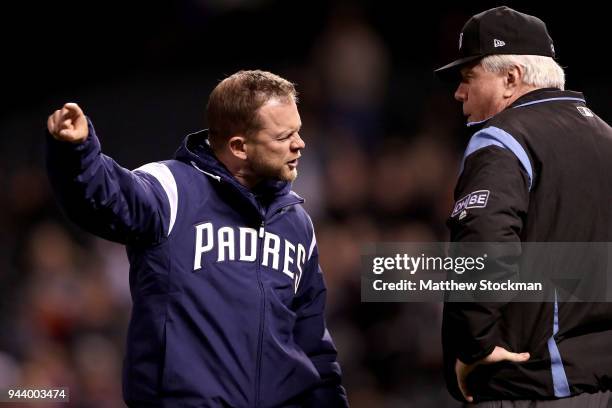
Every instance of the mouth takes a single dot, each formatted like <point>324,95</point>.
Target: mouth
<point>292,164</point>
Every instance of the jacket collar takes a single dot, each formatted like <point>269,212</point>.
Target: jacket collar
<point>546,95</point>
<point>541,95</point>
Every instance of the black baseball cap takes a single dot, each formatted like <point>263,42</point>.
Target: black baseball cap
<point>500,30</point>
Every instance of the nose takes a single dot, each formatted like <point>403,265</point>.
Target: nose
<point>298,143</point>
<point>460,93</point>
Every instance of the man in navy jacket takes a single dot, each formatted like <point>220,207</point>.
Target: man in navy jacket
<point>228,296</point>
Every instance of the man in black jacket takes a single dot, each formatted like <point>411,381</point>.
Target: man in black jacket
<point>540,159</point>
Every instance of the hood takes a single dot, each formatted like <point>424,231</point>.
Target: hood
<point>196,152</point>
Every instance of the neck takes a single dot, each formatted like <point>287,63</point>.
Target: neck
<point>523,90</point>
<point>245,178</point>
<point>238,169</point>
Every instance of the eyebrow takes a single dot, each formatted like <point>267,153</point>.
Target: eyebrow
<point>467,73</point>
<point>290,131</point>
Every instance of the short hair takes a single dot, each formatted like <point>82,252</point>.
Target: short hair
<point>234,103</point>
<point>540,71</point>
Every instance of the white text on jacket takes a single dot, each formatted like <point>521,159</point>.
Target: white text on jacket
<point>224,242</point>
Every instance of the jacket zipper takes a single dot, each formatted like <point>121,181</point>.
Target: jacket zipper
<point>261,235</point>
<point>262,316</point>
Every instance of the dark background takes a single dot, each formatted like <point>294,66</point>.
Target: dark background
<point>384,139</point>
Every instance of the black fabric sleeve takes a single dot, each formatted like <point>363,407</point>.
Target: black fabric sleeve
<point>469,329</point>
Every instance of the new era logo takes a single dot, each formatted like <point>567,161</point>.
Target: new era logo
<point>498,43</point>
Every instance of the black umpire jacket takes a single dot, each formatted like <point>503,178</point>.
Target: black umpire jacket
<point>545,167</point>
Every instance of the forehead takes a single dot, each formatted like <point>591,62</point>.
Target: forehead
<point>278,114</point>
<point>473,68</point>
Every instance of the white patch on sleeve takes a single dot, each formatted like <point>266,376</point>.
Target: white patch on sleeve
<point>584,111</point>
<point>314,240</point>
<point>163,174</point>
<point>476,199</point>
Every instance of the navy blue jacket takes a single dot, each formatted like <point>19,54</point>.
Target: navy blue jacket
<point>228,296</point>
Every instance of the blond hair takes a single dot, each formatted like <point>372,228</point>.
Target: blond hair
<point>234,103</point>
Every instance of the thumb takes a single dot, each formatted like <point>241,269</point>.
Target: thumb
<point>501,354</point>
<point>517,357</point>
<point>461,372</point>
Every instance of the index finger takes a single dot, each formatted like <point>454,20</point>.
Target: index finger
<point>72,108</point>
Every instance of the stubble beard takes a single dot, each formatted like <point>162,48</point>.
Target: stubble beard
<point>267,171</point>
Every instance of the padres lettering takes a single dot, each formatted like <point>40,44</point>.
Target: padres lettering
<point>293,257</point>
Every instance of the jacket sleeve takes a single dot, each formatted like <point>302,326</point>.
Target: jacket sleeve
<point>106,199</point>
<point>495,176</point>
<point>311,334</point>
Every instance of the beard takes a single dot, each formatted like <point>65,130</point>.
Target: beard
<point>272,171</point>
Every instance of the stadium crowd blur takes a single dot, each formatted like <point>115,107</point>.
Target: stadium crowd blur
<point>383,146</point>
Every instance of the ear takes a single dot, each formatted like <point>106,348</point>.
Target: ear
<point>237,145</point>
<point>513,80</point>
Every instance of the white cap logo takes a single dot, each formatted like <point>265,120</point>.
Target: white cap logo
<point>460,40</point>
<point>498,43</point>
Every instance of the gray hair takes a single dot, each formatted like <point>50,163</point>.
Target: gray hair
<point>540,71</point>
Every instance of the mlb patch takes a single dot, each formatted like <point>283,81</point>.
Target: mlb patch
<point>476,199</point>
<point>585,111</point>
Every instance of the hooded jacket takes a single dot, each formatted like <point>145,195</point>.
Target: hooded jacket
<point>228,296</point>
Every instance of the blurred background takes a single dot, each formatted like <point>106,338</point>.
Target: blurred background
<point>383,144</point>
